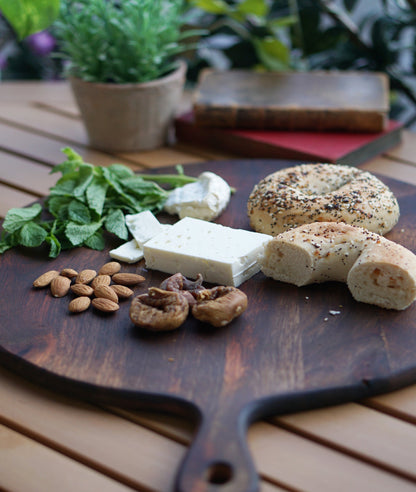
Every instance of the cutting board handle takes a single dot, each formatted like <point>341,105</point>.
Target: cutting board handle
<point>218,459</point>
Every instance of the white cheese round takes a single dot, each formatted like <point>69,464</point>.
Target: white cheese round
<point>204,199</point>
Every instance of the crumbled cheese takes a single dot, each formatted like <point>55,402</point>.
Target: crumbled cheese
<point>204,199</point>
<point>143,226</point>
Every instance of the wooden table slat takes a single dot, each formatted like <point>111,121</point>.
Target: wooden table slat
<point>28,91</point>
<point>26,465</point>
<point>360,431</point>
<point>301,464</point>
<point>49,151</point>
<point>115,446</point>
<point>37,176</point>
<point>10,198</point>
<point>400,404</point>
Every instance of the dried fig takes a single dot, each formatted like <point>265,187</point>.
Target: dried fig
<point>220,305</point>
<point>183,286</point>
<point>159,310</point>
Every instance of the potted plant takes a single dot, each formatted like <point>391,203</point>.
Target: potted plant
<point>122,66</point>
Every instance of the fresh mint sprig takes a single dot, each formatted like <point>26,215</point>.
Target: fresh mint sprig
<point>85,202</point>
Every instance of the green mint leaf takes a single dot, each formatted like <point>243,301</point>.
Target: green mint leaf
<point>65,186</point>
<point>66,167</point>
<point>4,246</point>
<point>79,233</point>
<point>54,246</point>
<point>174,180</point>
<point>70,165</point>
<point>139,187</point>
<point>85,176</point>
<point>18,217</point>
<point>6,241</point>
<point>32,235</point>
<point>120,171</point>
<point>96,194</point>
<point>56,203</point>
<point>78,212</point>
<point>116,190</point>
<point>116,223</point>
<point>72,155</point>
<point>96,241</point>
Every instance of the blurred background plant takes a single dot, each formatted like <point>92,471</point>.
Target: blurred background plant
<point>25,44</point>
<point>128,41</point>
<point>376,35</point>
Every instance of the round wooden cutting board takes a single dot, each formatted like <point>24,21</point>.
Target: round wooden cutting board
<point>286,353</point>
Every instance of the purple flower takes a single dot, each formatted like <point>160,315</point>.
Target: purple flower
<point>3,62</point>
<point>41,43</point>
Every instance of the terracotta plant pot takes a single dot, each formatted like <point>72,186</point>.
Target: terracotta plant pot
<point>129,117</point>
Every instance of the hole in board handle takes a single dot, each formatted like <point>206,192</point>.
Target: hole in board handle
<point>219,473</point>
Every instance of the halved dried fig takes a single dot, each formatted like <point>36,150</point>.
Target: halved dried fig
<point>159,310</point>
<point>220,305</point>
<point>183,286</point>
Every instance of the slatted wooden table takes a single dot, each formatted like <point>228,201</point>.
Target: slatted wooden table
<point>49,442</point>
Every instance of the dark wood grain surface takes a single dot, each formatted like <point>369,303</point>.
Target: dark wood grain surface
<point>286,353</point>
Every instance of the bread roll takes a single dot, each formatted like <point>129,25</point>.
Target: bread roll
<point>321,192</point>
<point>376,270</point>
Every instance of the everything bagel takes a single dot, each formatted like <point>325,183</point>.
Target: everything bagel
<point>376,270</point>
<point>321,192</point>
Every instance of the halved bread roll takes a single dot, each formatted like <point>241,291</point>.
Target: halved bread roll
<point>376,270</point>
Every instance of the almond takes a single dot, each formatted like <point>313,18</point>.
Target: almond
<point>85,276</point>
<point>60,286</point>
<point>110,268</point>
<point>105,305</point>
<point>122,291</point>
<point>82,290</point>
<point>128,278</point>
<point>101,280</point>
<point>45,279</point>
<point>106,292</point>
<point>69,272</point>
<point>79,304</point>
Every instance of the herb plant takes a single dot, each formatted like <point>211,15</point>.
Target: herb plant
<point>86,201</point>
<point>120,41</point>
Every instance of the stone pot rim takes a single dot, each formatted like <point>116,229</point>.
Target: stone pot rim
<point>179,71</point>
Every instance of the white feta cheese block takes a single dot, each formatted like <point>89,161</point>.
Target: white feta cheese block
<point>204,199</point>
<point>223,255</point>
<point>143,226</point>
<point>129,252</point>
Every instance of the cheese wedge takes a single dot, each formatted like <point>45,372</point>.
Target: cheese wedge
<point>222,255</point>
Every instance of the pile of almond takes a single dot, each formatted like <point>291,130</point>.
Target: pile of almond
<point>102,290</point>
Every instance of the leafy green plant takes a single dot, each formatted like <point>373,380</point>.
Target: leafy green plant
<point>29,16</point>
<point>86,201</point>
<point>124,41</point>
<point>245,34</point>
